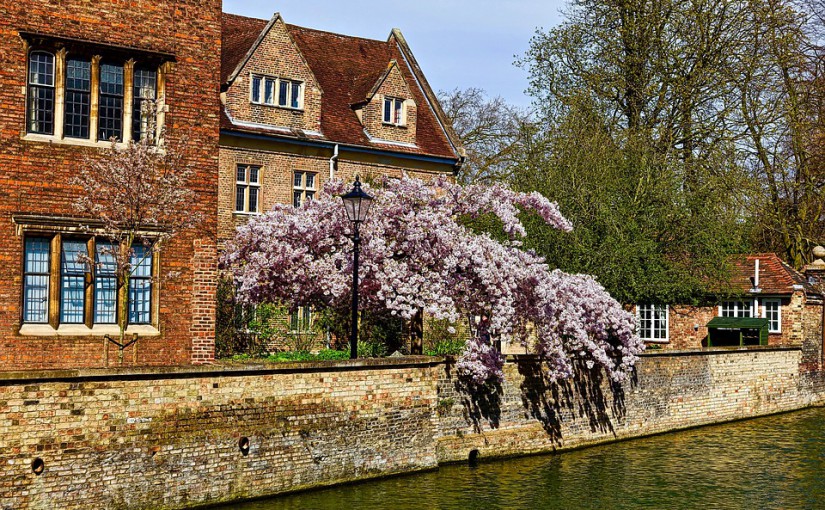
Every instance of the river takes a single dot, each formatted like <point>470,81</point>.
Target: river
<point>777,462</point>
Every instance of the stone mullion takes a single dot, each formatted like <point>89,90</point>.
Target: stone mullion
<point>128,99</point>
<point>89,290</point>
<point>95,99</point>
<point>54,282</point>
<point>163,70</point>
<point>59,92</point>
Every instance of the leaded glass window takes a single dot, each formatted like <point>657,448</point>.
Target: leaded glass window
<point>73,267</point>
<point>140,285</point>
<point>145,91</point>
<point>110,109</point>
<point>105,283</point>
<point>40,108</point>
<point>36,279</point>
<point>77,97</point>
<point>247,188</point>
<point>303,188</point>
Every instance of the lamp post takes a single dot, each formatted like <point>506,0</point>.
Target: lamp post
<point>357,204</point>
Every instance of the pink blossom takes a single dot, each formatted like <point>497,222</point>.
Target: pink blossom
<point>417,255</point>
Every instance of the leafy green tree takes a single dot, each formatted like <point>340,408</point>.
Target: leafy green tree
<point>634,222</point>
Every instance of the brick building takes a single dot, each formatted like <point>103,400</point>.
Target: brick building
<point>287,109</point>
<point>300,106</point>
<point>74,74</point>
<point>760,286</point>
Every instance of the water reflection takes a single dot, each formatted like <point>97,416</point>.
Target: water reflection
<point>768,463</point>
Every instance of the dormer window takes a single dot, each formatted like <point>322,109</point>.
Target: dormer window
<point>276,92</point>
<point>394,111</point>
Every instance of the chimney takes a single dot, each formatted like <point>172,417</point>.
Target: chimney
<point>756,273</point>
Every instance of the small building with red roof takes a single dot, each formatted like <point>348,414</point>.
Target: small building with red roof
<point>759,286</point>
<point>301,106</point>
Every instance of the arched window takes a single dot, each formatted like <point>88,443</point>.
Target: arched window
<point>40,109</point>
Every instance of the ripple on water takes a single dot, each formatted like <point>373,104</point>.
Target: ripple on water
<point>776,462</point>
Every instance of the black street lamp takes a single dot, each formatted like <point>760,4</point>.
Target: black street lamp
<point>357,203</point>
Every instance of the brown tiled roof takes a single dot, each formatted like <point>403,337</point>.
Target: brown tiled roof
<point>346,68</point>
<point>238,34</point>
<point>775,276</point>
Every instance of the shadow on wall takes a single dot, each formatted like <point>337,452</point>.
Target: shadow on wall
<point>588,397</point>
<point>481,403</point>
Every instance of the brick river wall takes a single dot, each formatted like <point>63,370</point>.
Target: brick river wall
<point>182,437</point>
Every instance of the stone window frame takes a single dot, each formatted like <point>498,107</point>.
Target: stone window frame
<point>396,108</point>
<point>128,58</point>
<point>648,319</point>
<point>732,308</point>
<point>767,315</point>
<point>259,96</point>
<point>246,186</point>
<point>301,190</point>
<point>56,231</point>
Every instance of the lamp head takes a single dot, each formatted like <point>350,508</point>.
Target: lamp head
<point>357,202</point>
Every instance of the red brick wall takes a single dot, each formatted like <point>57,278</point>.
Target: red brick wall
<point>684,333</point>
<point>34,176</point>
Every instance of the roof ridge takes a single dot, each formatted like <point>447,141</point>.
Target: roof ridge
<point>241,16</point>
<point>308,29</point>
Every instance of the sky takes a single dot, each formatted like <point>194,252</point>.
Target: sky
<point>458,43</point>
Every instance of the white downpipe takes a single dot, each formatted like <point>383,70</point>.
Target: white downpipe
<point>333,162</point>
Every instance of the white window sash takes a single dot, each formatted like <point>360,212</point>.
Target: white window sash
<point>655,324</point>
<point>778,304</point>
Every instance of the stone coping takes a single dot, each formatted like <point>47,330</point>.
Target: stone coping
<point>712,351</point>
<point>218,369</point>
<point>239,369</point>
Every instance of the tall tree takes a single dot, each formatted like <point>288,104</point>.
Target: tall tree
<point>492,131</point>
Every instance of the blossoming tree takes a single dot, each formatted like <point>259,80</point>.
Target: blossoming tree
<point>419,254</point>
<point>137,197</point>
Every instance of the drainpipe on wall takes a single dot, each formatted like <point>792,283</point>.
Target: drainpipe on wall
<point>333,167</point>
<point>333,162</point>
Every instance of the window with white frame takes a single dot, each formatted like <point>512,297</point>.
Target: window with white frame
<point>394,111</point>
<point>736,309</point>
<point>248,189</point>
<point>303,187</point>
<point>653,322</point>
<point>771,310</point>
<point>276,91</point>
<point>88,79</point>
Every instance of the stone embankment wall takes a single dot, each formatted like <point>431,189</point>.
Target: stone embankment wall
<point>184,437</point>
<point>672,390</point>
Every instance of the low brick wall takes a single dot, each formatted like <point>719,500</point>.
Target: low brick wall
<point>170,440</point>
<point>671,390</point>
<point>176,438</point>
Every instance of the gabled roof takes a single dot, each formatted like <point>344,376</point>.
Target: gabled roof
<point>775,276</point>
<point>347,68</point>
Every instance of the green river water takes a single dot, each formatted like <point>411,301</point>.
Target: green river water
<point>776,462</point>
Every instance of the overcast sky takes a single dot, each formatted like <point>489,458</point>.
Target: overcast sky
<point>458,43</point>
